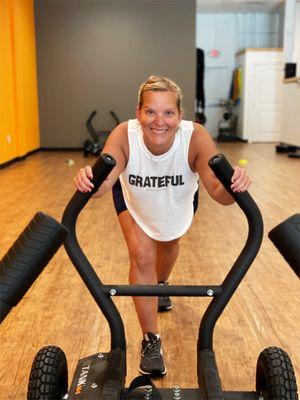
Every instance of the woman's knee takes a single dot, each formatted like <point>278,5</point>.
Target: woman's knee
<point>171,247</point>
<point>142,259</point>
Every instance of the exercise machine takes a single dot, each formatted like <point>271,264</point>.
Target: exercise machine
<point>228,123</point>
<point>286,237</point>
<point>102,375</point>
<point>98,138</point>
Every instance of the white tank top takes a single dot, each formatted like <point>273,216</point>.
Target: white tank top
<point>159,190</point>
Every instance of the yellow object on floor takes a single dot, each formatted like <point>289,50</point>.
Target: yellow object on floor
<point>242,162</point>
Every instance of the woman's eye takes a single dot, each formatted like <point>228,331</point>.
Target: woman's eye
<point>149,112</point>
<point>170,113</point>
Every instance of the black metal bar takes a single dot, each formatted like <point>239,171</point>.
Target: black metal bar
<point>101,170</point>
<point>222,294</point>
<point>189,394</point>
<point>161,290</point>
<point>208,375</point>
<point>241,395</point>
<point>224,171</point>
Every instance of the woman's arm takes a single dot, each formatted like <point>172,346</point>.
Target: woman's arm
<point>117,146</point>
<point>202,149</point>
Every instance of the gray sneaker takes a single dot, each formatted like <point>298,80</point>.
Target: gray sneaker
<point>152,362</point>
<point>164,302</point>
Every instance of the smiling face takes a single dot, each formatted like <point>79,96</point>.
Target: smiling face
<point>159,118</point>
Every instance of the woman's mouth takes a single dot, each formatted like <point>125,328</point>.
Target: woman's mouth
<point>159,131</point>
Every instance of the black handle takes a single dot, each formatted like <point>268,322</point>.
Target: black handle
<point>27,258</point>
<point>101,170</point>
<point>222,169</point>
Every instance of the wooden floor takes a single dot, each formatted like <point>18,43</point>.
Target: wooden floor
<point>58,309</point>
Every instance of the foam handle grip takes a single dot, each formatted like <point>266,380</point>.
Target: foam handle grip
<point>286,237</point>
<point>27,257</point>
<point>222,169</point>
<point>101,170</point>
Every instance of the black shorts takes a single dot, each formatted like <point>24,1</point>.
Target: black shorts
<point>120,205</point>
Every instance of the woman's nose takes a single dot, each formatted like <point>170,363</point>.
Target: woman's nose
<point>159,119</point>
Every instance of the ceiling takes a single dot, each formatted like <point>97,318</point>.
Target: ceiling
<point>238,6</point>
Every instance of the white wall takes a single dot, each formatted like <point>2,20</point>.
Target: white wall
<point>216,31</point>
<point>230,33</point>
<point>291,114</point>
<point>297,39</point>
<point>291,95</point>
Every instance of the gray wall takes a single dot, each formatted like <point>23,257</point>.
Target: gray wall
<point>94,54</point>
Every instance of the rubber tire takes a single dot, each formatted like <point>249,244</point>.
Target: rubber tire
<point>275,377</point>
<point>49,375</point>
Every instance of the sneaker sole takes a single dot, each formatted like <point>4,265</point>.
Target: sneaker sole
<point>164,309</point>
<point>155,372</point>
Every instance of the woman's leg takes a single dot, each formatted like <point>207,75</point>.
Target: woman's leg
<point>167,253</point>
<point>142,253</point>
<point>145,256</point>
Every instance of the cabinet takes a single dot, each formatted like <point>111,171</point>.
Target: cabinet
<point>260,107</point>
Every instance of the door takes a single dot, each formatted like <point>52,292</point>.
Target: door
<point>265,100</point>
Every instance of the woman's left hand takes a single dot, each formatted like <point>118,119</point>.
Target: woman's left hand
<point>240,180</point>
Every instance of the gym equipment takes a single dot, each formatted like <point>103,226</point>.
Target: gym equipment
<point>286,237</point>
<point>292,151</point>
<point>26,259</point>
<point>102,375</point>
<point>228,123</point>
<point>99,138</point>
<point>200,92</point>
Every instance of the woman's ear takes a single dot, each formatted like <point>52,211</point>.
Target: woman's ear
<point>181,115</point>
<point>138,112</point>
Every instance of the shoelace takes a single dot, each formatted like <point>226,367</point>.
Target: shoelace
<point>151,349</point>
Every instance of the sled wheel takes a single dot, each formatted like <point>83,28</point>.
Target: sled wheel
<point>275,377</point>
<point>49,375</point>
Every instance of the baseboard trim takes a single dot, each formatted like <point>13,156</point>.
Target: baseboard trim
<point>60,148</point>
<point>22,158</point>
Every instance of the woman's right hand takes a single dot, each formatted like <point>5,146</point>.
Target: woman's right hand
<point>83,179</point>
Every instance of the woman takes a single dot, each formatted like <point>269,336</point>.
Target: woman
<point>160,158</point>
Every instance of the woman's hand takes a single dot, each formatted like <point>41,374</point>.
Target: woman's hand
<point>240,180</point>
<point>83,179</point>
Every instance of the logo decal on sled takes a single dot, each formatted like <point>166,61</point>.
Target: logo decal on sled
<point>82,379</point>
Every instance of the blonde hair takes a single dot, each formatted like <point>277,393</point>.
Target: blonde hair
<point>160,84</point>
